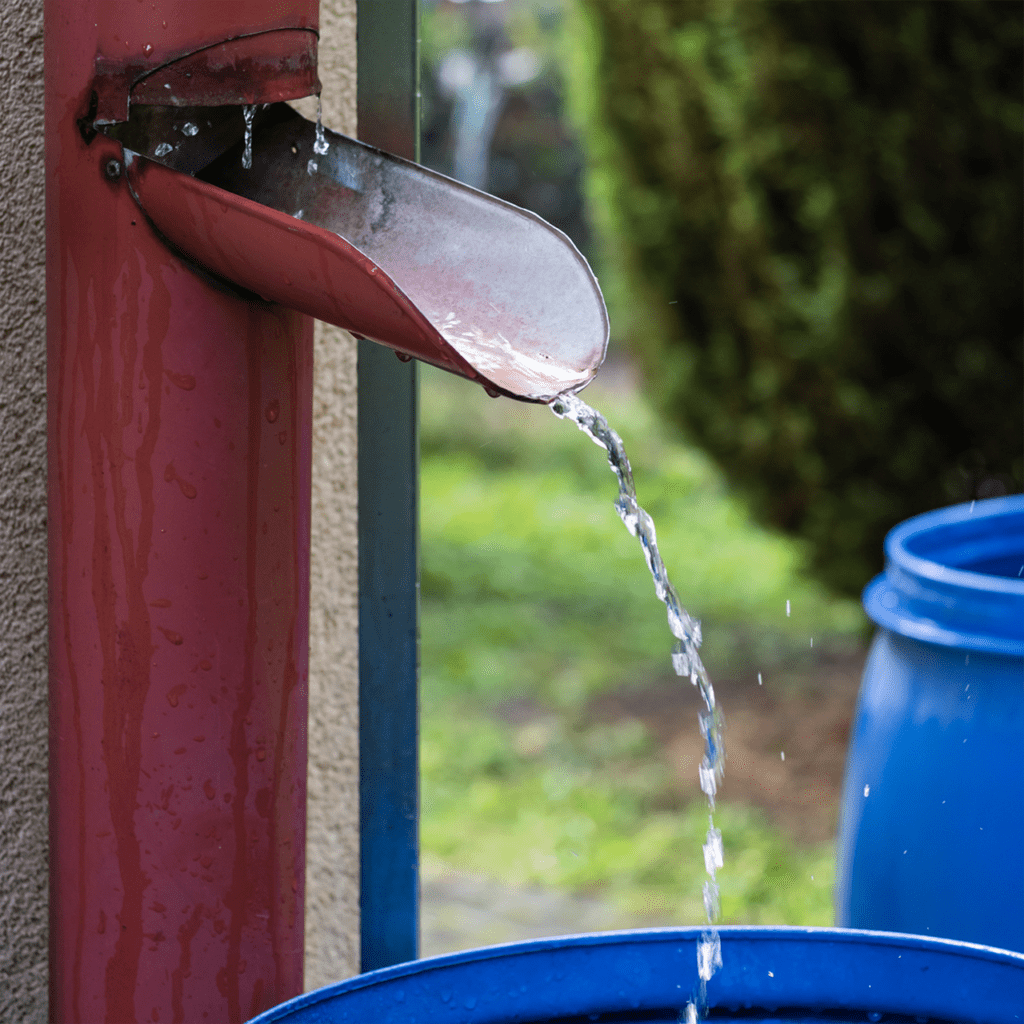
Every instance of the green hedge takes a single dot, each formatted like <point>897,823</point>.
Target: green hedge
<point>815,208</point>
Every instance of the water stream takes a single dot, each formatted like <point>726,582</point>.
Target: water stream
<point>320,143</point>
<point>685,660</point>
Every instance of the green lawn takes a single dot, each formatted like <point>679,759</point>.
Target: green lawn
<point>533,592</point>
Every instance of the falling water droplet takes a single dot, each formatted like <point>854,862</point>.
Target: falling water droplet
<point>867,789</point>
<point>709,955</point>
<point>311,168</point>
<point>787,608</point>
<point>320,143</point>
<point>248,112</point>
<point>713,851</point>
<point>760,681</point>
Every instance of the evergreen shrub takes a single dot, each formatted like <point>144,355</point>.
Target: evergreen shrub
<point>815,210</point>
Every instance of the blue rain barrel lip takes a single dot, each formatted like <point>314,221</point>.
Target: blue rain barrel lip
<point>926,594</point>
<point>768,968</point>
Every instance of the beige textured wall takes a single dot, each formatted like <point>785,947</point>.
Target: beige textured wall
<point>23,645</point>
<point>332,844</point>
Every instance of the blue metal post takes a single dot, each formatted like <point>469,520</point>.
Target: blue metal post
<point>388,111</point>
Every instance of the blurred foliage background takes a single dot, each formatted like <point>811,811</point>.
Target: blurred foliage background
<point>537,610</point>
<point>806,219</point>
<point>811,222</point>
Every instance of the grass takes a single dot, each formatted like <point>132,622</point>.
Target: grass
<point>533,592</point>
<point>582,819</point>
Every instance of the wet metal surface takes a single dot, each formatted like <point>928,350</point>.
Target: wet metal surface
<point>186,139</point>
<point>392,251</point>
<point>229,51</point>
<point>179,483</point>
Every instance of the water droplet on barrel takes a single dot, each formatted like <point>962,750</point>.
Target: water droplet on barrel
<point>273,411</point>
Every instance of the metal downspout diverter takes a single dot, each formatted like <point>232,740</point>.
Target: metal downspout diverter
<point>383,247</point>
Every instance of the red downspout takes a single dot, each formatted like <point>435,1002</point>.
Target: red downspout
<point>179,490</point>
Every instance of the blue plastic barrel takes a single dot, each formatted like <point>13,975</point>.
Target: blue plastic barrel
<point>931,837</point>
<point>768,974</point>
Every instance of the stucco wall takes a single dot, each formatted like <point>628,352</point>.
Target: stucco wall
<point>23,705</point>
<point>332,846</point>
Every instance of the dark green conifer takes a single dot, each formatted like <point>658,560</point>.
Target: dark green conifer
<point>819,220</point>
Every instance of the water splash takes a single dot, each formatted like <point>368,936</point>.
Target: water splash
<point>248,112</point>
<point>685,660</point>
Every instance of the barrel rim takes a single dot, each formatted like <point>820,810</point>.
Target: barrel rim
<point>924,599</point>
<point>816,974</point>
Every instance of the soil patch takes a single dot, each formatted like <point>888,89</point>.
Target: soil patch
<point>785,739</point>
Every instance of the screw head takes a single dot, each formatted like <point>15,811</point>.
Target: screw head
<point>113,169</point>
